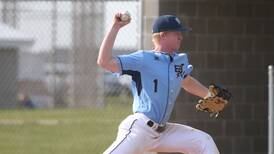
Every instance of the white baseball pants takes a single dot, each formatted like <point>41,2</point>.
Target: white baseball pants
<point>136,137</point>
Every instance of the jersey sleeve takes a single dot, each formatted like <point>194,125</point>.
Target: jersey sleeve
<point>130,62</point>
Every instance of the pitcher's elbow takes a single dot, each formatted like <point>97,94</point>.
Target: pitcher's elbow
<point>100,62</point>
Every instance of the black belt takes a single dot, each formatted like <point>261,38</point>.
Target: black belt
<point>159,129</point>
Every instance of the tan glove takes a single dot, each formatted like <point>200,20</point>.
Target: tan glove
<point>216,101</point>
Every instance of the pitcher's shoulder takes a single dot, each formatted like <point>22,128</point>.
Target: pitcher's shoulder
<point>147,51</point>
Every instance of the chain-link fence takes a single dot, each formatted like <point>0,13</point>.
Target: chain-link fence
<point>55,64</point>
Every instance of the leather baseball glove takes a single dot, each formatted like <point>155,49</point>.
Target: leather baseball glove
<point>215,102</point>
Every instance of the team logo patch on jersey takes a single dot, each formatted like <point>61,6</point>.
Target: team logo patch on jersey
<point>157,56</point>
<point>179,70</point>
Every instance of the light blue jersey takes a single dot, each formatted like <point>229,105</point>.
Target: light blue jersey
<point>156,81</point>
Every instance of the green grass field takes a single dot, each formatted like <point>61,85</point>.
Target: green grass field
<point>60,131</point>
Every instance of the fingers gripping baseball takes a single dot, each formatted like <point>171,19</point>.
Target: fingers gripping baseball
<point>122,18</point>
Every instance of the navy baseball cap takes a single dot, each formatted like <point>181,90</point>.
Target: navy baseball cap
<point>168,23</point>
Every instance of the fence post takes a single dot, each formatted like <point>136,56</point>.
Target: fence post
<point>270,110</point>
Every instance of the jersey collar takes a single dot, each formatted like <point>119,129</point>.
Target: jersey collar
<point>166,53</point>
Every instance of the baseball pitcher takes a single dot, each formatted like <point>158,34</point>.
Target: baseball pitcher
<point>157,77</point>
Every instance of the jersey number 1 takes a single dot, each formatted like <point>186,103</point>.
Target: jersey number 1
<point>155,85</point>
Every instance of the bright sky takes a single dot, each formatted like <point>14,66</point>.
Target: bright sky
<point>35,19</point>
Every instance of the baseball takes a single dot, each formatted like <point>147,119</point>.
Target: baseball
<point>125,16</point>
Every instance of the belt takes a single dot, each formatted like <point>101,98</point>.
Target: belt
<point>153,125</point>
<point>156,127</point>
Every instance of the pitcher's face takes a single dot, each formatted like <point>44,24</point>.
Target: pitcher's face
<point>174,39</point>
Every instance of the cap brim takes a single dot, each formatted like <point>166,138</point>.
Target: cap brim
<point>185,29</point>
<point>181,29</point>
